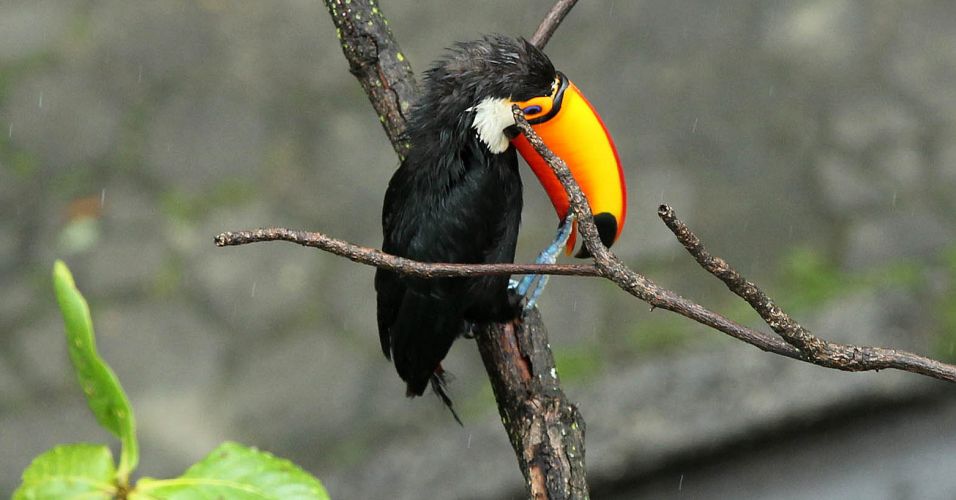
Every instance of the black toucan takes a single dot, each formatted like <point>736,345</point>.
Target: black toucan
<point>457,195</point>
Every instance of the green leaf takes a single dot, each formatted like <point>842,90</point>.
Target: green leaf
<point>70,471</point>
<point>103,392</point>
<point>238,473</point>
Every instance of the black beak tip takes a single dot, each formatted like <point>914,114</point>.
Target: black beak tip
<point>607,230</point>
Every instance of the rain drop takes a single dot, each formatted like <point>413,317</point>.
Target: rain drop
<point>102,197</point>
<point>253,288</point>
<point>693,129</point>
<point>40,101</point>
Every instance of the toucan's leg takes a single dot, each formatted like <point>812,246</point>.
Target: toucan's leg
<point>547,256</point>
<point>532,285</point>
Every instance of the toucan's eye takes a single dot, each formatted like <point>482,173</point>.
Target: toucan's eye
<point>536,107</point>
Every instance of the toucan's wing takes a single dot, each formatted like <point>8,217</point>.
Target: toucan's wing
<point>390,292</point>
<point>464,216</point>
<point>469,213</point>
<point>389,288</point>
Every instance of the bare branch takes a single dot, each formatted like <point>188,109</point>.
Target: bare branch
<point>798,342</point>
<point>779,321</point>
<point>377,62</point>
<point>551,22</point>
<point>378,258</point>
<point>812,349</point>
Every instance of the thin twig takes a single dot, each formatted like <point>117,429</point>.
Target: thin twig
<point>551,22</point>
<point>780,322</point>
<point>378,258</point>
<point>812,349</point>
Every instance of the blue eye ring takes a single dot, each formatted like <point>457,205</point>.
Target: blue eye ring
<point>532,110</point>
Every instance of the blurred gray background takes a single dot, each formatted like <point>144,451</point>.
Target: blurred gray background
<point>811,143</point>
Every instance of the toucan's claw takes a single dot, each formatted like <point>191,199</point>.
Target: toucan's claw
<point>532,285</point>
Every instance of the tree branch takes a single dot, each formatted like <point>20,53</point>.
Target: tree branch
<point>545,429</point>
<point>779,321</point>
<point>811,348</point>
<point>797,342</point>
<point>376,60</point>
<point>551,22</point>
<point>550,451</point>
<point>378,258</point>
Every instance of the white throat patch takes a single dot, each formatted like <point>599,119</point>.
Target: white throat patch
<point>492,117</point>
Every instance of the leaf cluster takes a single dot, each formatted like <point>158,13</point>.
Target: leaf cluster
<point>88,471</point>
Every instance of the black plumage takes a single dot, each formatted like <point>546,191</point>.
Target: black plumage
<point>454,200</point>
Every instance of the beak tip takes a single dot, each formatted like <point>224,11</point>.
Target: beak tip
<point>607,229</point>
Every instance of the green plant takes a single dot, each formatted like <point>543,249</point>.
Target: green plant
<point>88,471</point>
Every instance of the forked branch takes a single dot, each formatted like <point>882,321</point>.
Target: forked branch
<point>794,340</point>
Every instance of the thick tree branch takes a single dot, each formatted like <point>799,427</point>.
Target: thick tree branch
<point>546,430</point>
<point>550,451</point>
<point>376,60</point>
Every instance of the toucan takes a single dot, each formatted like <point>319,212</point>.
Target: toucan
<point>457,195</point>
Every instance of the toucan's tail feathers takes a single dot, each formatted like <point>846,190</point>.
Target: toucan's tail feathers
<point>439,385</point>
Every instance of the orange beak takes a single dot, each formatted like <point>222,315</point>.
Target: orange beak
<point>571,128</point>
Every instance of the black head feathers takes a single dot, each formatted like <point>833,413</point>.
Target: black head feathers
<point>494,66</point>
